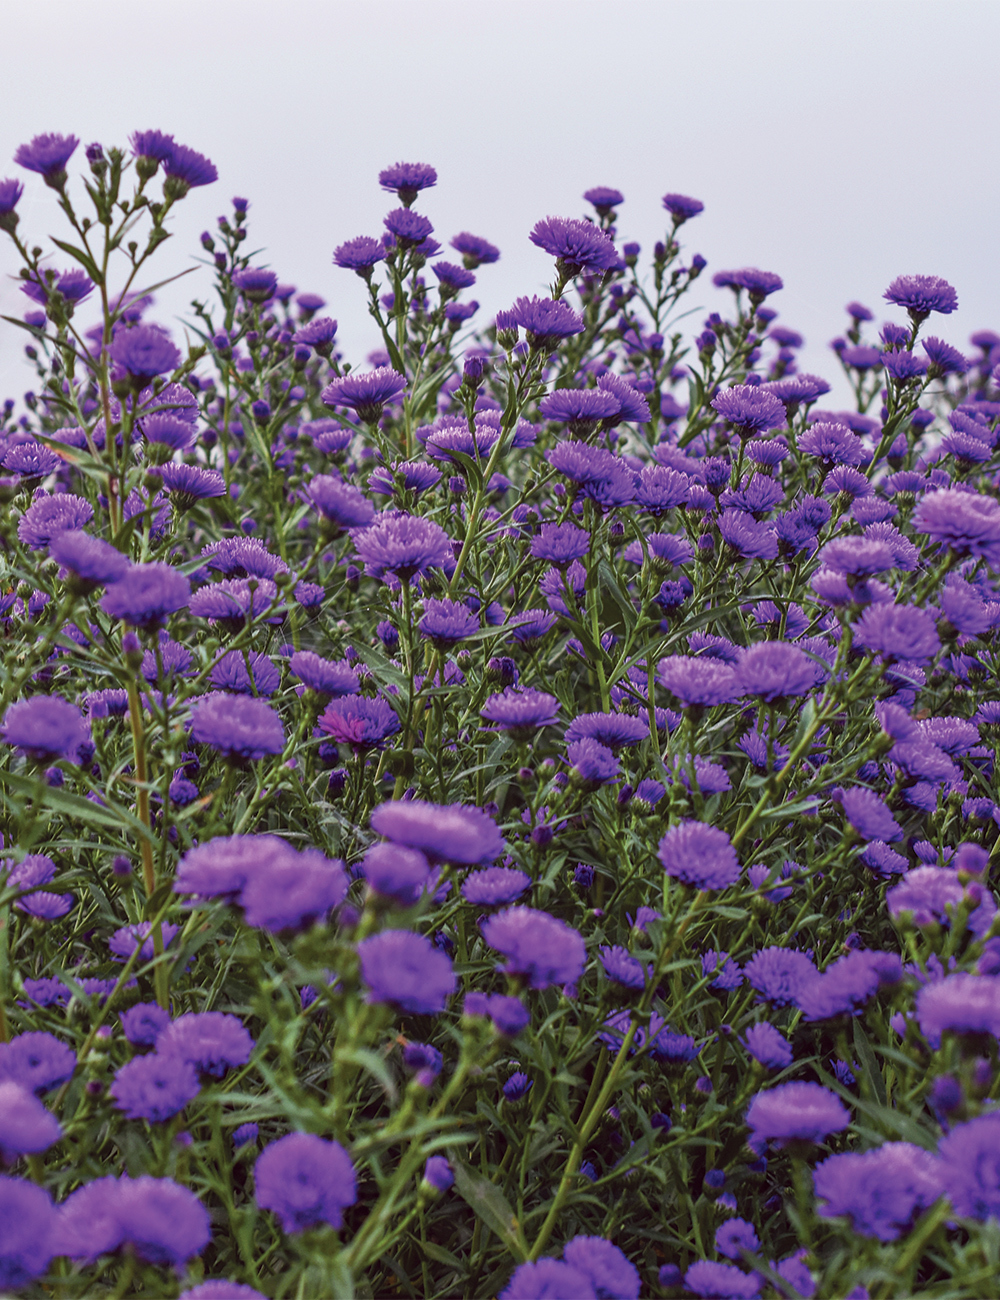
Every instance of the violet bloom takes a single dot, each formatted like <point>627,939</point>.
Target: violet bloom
<point>360,255</point>
<point>47,155</point>
<point>340,502</point>
<point>245,672</point>
<point>48,516</point>
<point>37,1061</point>
<point>582,409</point>
<point>407,179</point>
<point>521,712</point>
<point>700,855</point>
<point>242,729</point>
<point>324,676</point>
<point>294,892</point>
<point>359,721</point>
<point>922,294</point>
<point>147,594</point>
<point>898,632</point>
<point>125,940</point>
<point>46,728</point>
<point>593,764</point>
<point>537,946</point>
<point>751,409</point>
<point>549,1278</point>
<point>494,886</point>
<point>409,229</point>
<point>185,168</point>
<point>735,1236</point>
<point>632,406</point>
<point>159,1220</point>
<point>256,284</point>
<point>154,1087</point>
<point>545,320</point>
<point>144,351</point>
<point>189,484</point>
<point>970,1167</point>
<point>366,393</point>
<point>621,967</point>
<point>576,245</point>
<point>604,198</point>
<point>232,602</point>
<point>795,1112</point>
<point>959,1004</point>
<point>403,545</point>
<point>746,537</point>
<point>609,1271</point>
<point>776,670</point>
<point>768,1046</point>
<point>91,562</point>
<point>868,814</point>
<point>143,1023</point>
<point>26,1127</point>
<point>707,1278</point>
<point>682,208</point>
<point>395,873</point>
<point>10,195</point>
<point>447,622</point>
<point>28,1230</point>
<point>611,729</point>
<point>966,522</point>
<point>73,286</point>
<point>475,251</point>
<point>406,971</point>
<point>445,833</point>
<point>210,1041</point>
<point>698,681</point>
<point>881,1191</point>
<point>779,974</point>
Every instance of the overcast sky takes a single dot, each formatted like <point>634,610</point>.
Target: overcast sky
<point>837,143</point>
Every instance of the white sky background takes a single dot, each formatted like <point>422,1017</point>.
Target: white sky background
<point>837,143</point>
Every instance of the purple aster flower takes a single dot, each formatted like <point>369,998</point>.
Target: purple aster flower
<point>318,334</point>
<point>417,476</point>
<point>777,670</point>
<point>210,1041</point>
<point>881,1191</point>
<point>521,712</point>
<point>682,208</point>
<point>168,433</point>
<point>404,545</point>
<point>768,1046</point>
<point>324,676</point>
<point>531,625</point>
<point>360,255</point>
<point>611,729</point>
<point>758,284</point>
<point>125,940</point>
<point>407,179</point>
<point>10,195</point>
<point>699,855</point>
<point>494,886</point>
<point>408,228</point>
<point>969,1167</point>
<point>37,1061</point>
<point>966,522</point>
<point>448,833</point>
<point>46,906</point>
<point>734,1236</point>
<point>359,721</point>
<point>28,1229</point>
<point>232,602</point>
<point>147,594</point>
<point>632,406</point>
<point>46,728</point>
<point>143,1023</point>
<point>189,484</point>
<point>255,283</point>
<point>795,1112</point>
<point>49,516</point>
<point>868,814</point>
<point>612,1275</point>
<point>244,1134</point>
<point>545,320</point>
<point>154,145</point>
<point>593,763</point>
<point>960,1004</point>
<point>857,556</point>
<point>26,1127</point>
<point>604,198</point>
<point>242,729</point>
<point>903,366</point>
<point>622,968</point>
<point>475,251</point>
<point>294,892</point>
<point>696,681</point>
<point>396,873</point>
<point>407,971</point>
<point>537,946</point>
<point>47,155</point>
<point>922,294</point>
<point>898,632</point>
<point>942,358</point>
<point>33,869</point>
<point>560,544</point>
<point>660,489</point>
<point>797,389</point>
<point>245,672</point>
<point>447,622</point>
<point>30,459</point>
<point>548,1279</point>
<point>880,858</point>
<point>728,975</point>
<point>746,537</point>
<point>186,169</point>
<point>154,1087</point>
<point>144,351</point>
<point>438,1174</point>
<point>707,1278</point>
<point>366,393</point>
<point>220,1289</point>
<point>581,408</point>
<point>73,286</point>
<point>779,974</point>
<point>576,245</point>
<point>833,444</point>
<point>452,277</point>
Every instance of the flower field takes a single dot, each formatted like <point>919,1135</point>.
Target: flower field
<point>514,817</point>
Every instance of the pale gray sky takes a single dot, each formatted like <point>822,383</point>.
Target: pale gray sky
<point>838,143</point>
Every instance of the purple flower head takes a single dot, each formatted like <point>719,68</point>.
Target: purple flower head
<point>581,408</point>
<point>521,712</point>
<point>147,594</point>
<point>167,431</point>
<point>245,672</point>
<point>47,155</point>
<point>833,444</point>
<point>622,968</point>
<point>396,873</point>
<point>966,522</point>
<point>452,277</point>
<point>407,971</point>
<point>611,729</point>
<point>548,1279</point>
<point>609,1271</point>
<point>797,389</point>
<point>189,484</point>
<point>448,833</point>
<point>881,1191</point>
<point>305,1180</point>
<point>255,283</point>
<point>969,1167</point>
<point>746,537</point>
<point>408,228</point>
<point>10,195</point>
<point>154,1087</point>
<point>922,294</point>
<point>125,940</point>
<point>768,1046</point>
<point>240,728</point>
<point>593,763</point>
<point>632,406</point>
<point>365,393</point>
<point>143,1023</point>
<point>943,359</point>
<point>779,974</point>
<point>699,855</point>
<point>776,670</point>
<point>795,1112</point>
<point>560,544</point>
<point>898,632</point>
<point>537,946</point>
<point>698,681</point>
<point>28,1229</point>
<point>46,728</point>
<point>604,198</point>
<point>447,622</point>
<point>403,545</point>
<point>545,320</point>
<point>868,814</point>
<point>407,180</point>
<point>576,245</point>
<point>681,208</point>
<point>37,1061</point>
<point>660,489</point>
<point>46,906</point>
<point>220,1289</point>
<point>144,351</point>
<point>960,1004</point>
<point>30,460</point>
<point>494,886</point>
<point>750,408</point>
<point>294,893</point>
<point>709,1279</point>
<point>208,1040</point>
<point>26,1127</point>
<point>73,286</point>
<point>154,145</point>
<point>360,255</point>
<point>324,676</point>
<point>358,721</point>
<point>340,502</point>
<point>49,516</point>
<point>734,1236</point>
<point>231,602</point>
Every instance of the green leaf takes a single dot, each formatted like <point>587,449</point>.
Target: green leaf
<point>72,805</point>
<point>79,255</point>
<point>869,1065</point>
<point>441,1256</point>
<point>374,1064</point>
<point>490,1205</point>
